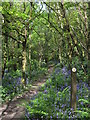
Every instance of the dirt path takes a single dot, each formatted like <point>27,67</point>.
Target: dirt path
<point>15,110</point>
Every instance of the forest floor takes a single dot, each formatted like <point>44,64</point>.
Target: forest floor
<point>15,109</point>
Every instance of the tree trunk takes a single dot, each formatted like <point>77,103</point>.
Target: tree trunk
<point>88,43</point>
<point>3,68</point>
<point>46,48</point>
<point>30,40</point>
<point>71,44</point>
<point>40,55</point>
<point>29,56</point>
<point>24,59</point>
<point>24,64</point>
<point>73,88</point>
<point>5,52</point>
<point>60,57</point>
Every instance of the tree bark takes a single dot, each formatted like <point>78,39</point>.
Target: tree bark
<point>60,56</point>
<point>5,53</point>
<point>30,40</point>
<point>24,64</point>
<point>73,89</point>
<point>88,43</point>
<point>24,59</point>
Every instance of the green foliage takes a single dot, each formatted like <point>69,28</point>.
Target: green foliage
<point>83,100</point>
<point>82,114</point>
<point>11,84</point>
<point>44,104</point>
<point>54,99</point>
<point>84,110</point>
<point>56,33</point>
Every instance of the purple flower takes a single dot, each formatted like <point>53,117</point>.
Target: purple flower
<point>77,86</point>
<point>81,103</point>
<point>66,84</point>
<point>62,105</point>
<point>69,87</point>
<point>51,117</point>
<point>57,94</point>
<point>45,91</point>
<point>55,104</point>
<point>59,110</point>
<point>77,97</point>
<point>69,72</point>
<point>65,111</point>
<point>19,78</point>
<point>62,88</point>
<point>57,115</point>
<point>69,113</point>
<point>64,69</point>
<point>71,109</point>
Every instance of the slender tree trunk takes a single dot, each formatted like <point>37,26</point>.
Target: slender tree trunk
<point>46,47</point>
<point>40,55</point>
<point>19,64</point>
<point>88,43</point>
<point>0,56</point>
<point>4,64</point>
<point>73,88</point>
<point>29,55</point>
<point>24,64</point>
<point>60,58</point>
<point>24,59</point>
<point>5,54</point>
<point>3,68</point>
<point>30,40</point>
<point>71,43</point>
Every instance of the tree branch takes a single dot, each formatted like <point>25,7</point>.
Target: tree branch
<point>53,26</point>
<point>5,34</point>
<point>80,41</point>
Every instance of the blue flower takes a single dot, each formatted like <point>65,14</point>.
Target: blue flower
<point>71,109</point>
<point>57,94</point>
<point>57,115</point>
<point>69,72</point>
<point>65,84</point>
<point>62,105</point>
<point>77,86</point>
<point>45,91</point>
<point>59,110</point>
<point>65,111</point>
<point>64,69</point>
<point>70,113</point>
<point>81,103</point>
<point>76,97</point>
<point>51,117</point>
<point>62,87</point>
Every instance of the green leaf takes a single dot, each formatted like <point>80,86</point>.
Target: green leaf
<point>83,100</point>
<point>82,113</point>
<point>0,8</point>
<point>65,90</point>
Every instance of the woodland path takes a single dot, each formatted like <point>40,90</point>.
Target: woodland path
<point>15,110</point>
